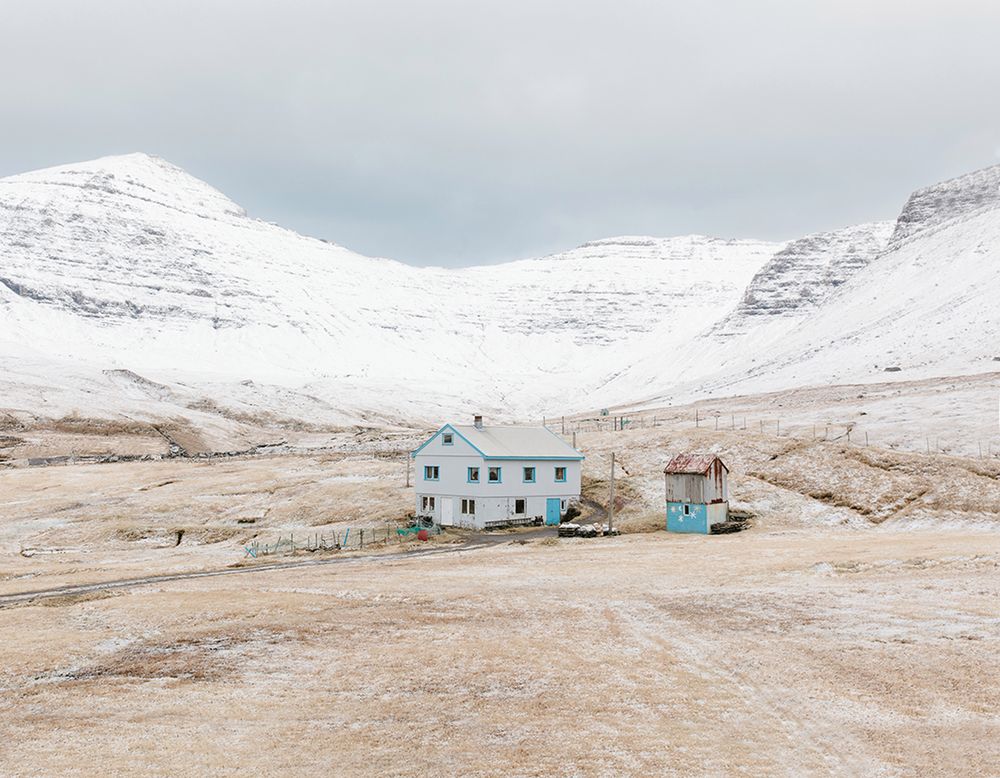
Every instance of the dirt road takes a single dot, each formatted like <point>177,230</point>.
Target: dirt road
<point>475,541</point>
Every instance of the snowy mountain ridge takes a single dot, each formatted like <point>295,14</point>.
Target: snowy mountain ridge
<point>129,263</point>
<point>128,266</point>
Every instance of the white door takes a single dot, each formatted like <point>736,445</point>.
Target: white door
<point>447,511</point>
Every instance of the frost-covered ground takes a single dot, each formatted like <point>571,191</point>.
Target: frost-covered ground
<point>846,632</point>
<point>805,652</point>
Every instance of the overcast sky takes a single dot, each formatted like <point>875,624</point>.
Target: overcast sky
<point>467,132</point>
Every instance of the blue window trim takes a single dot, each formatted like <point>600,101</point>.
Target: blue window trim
<point>499,475</point>
<point>524,477</point>
<point>468,475</point>
<point>429,478</point>
<point>555,475</point>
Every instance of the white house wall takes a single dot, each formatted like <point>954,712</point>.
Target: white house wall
<point>494,502</point>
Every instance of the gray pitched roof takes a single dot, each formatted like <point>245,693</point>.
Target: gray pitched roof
<point>516,442</point>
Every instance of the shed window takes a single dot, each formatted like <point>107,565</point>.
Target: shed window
<point>447,439</point>
<point>687,510</point>
<point>473,476</point>
<point>560,474</point>
<point>529,475</point>
<point>494,475</point>
<point>469,507</point>
<point>431,472</point>
<point>519,508</point>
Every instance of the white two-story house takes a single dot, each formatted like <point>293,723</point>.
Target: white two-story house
<point>478,476</point>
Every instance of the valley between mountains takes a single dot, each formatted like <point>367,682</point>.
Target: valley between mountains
<point>135,297</point>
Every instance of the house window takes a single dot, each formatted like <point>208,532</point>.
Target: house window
<point>427,503</point>
<point>431,472</point>
<point>529,475</point>
<point>494,475</point>
<point>519,506</point>
<point>560,475</point>
<point>447,439</point>
<point>469,507</point>
<point>473,477</point>
<point>687,510</point>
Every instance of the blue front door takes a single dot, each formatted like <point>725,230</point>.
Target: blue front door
<point>552,512</point>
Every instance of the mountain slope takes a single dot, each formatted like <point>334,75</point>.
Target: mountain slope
<point>799,278</point>
<point>127,273</point>
<point>129,263</point>
<point>924,306</point>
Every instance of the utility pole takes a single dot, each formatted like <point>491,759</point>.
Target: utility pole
<point>611,502</point>
<point>574,438</point>
<point>407,471</point>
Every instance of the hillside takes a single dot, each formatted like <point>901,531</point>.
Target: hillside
<point>129,263</point>
<point>130,289</point>
<point>921,307</point>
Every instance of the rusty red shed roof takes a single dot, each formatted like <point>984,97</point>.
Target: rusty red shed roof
<point>697,464</point>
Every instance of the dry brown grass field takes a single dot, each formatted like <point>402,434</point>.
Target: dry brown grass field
<point>853,629</point>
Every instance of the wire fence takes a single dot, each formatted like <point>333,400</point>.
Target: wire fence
<point>349,539</point>
<point>849,432</point>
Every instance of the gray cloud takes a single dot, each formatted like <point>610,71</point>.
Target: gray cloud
<point>467,132</point>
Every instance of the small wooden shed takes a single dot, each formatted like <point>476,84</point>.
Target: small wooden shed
<point>697,491</point>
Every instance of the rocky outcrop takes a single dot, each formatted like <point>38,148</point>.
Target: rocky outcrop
<point>947,201</point>
<point>804,274</point>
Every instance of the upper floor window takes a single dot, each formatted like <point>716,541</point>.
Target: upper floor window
<point>447,439</point>
<point>494,475</point>
<point>560,474</point>
<point>473,476</point>
<point>529,475</point>
<point>431,472</point>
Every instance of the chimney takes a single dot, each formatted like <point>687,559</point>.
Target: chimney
<point>478,421</point>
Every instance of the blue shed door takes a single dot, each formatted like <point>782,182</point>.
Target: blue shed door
<point>552,512</point>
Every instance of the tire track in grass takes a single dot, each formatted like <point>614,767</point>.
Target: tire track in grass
<point>473,543</point>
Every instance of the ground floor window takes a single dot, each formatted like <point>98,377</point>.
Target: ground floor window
<point>426,503</point>
<point>469,507</point>
<point>519,506</point>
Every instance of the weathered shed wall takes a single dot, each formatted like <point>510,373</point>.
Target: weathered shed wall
<point>711,487</point>
<point>685,487</point>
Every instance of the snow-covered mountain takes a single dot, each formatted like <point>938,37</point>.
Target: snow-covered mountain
<point>130,264</point>
<point>922,306</point>
<point>129,287</point>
